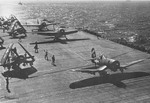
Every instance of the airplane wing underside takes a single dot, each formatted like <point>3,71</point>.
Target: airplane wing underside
<point>102,68</point>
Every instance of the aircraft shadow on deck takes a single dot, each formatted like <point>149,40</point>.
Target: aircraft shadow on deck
<point>21,74</point>
<point>115,79</point>
<point>63,41</point>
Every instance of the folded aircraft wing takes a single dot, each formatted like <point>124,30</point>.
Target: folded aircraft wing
<point>6,54</point>
<point>102,68</point>
<point>26,51</point>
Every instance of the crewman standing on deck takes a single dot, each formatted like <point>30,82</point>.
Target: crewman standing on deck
<point>93,56</point>
<point>53,60</point>
<point>36,47</point>
<point>46,55</point>
<point>93,53</point>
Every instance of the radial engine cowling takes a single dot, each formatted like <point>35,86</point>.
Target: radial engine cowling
<point>112,64</point>
<point>61,30</point>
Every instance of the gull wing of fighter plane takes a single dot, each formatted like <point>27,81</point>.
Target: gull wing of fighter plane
<point>104,67</point>
<point>91,71</point>
<point>58,34</point>
<point>41,27</point>
<point>106,63</point>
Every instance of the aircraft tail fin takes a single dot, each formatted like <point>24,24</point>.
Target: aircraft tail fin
<point>93,53</point>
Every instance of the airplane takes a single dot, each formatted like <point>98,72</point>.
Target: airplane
<point>57,34</point>
<point>16,29</point>
<point>13,26</point>
<point>11,60</point>
<point>7,22</point>
<point>43,26</point>
<point>103,63</point>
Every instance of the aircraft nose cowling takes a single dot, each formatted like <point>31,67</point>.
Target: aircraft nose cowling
<point>115,65</point>
<point>61,30</point>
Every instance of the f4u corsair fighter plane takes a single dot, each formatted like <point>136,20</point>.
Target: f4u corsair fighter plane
<point>103,63</point>
<point>43,26</point>
<point>11,60</point>
<point>57,31</point>
<point>57,34</point>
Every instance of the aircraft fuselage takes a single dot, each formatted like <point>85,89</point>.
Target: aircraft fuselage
<point>112,64</point>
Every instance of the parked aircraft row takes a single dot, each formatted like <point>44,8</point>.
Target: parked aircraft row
<point>14,28</point>
<point>12,61</point>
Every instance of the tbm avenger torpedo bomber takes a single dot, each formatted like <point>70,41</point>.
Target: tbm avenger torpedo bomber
<point>103,63</point>
<point>59,33</point>
<point>11,60</point>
